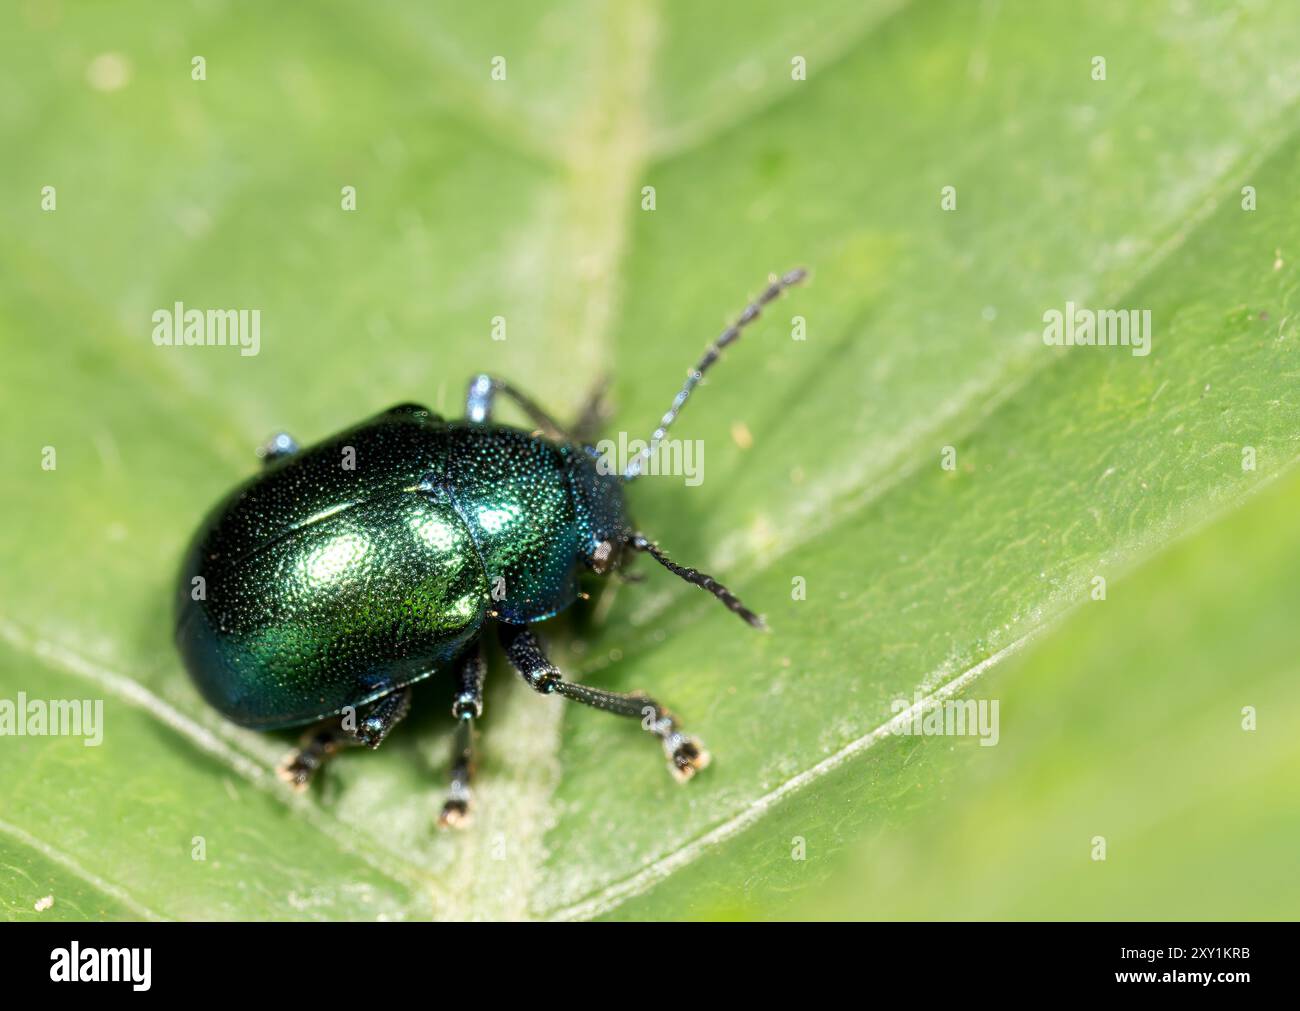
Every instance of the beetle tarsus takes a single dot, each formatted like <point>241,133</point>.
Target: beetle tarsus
<point>686,758</point>
<point>466,706</point>
<point>456,810</point>
<point>686,755</point>
<point>299,766</point>
<point>294,773</point>
<point>455,814</point>
<point>323,742</point>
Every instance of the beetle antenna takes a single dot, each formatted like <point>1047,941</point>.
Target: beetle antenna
<point>775,286</point>
<point>638,542</point>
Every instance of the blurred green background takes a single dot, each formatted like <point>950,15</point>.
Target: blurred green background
<point>773,135</point>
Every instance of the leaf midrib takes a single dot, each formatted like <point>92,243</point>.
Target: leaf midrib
<point>107,889</point>
<point>218,747</point>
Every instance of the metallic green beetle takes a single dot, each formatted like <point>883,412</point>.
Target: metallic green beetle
<point>324,587</point>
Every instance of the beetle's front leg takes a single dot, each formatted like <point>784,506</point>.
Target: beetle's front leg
<point>466,708</point>
<point>277,447</point>
<point>482,393</point>
<point>595,412</point>
<point>325,740</point>
<point>686,756</point>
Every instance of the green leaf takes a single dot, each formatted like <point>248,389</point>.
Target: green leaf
<point>522,199</point>
<point>1165,729</point>
<point>1153,727</point>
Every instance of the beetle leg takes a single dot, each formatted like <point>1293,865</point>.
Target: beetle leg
<point>482,393</point>
<point>686,756</point>
<point>325,740</point>
<point>381,717</point>
<point>594,414</point>
<point>467,707</point>
<point>317,746</point>
<point>277,447</point>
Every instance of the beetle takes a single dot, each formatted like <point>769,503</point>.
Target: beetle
<point>319,591</point>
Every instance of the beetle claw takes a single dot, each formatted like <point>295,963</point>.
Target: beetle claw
<point>455,814</point>
<point>369,737</point>
<point>688,758</point>
<point>295,771</point>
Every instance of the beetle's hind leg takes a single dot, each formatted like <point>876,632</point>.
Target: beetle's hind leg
<point>466,708</point>
<point>325,740</point>
<point>686,756</point>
